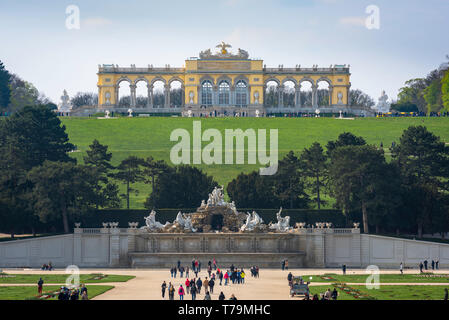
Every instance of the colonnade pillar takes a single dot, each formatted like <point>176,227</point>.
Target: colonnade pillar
<point>314,96</point>
<point>167,95</point>
<point>133,95</point>
<point>150,101</point>
<point>298,95</point>
<point>331,89</point>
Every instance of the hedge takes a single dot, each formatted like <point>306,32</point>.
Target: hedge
<point>95,219</point>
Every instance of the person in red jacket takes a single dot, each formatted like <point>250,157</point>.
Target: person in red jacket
<point>187,285</point>
<point>226,277</point>
<point>181,292</point>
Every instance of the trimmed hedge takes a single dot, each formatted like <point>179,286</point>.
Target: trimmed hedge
<point>95,219</point>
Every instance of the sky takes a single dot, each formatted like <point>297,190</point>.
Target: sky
<point>35,43</point>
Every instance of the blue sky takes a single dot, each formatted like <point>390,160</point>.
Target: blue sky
<point>412,39</point>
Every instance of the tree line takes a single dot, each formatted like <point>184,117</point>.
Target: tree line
<point>426,95</point>
<point>40,181</point>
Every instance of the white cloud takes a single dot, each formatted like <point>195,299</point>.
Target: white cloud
<point>353,21</point>
<point>96,22</point>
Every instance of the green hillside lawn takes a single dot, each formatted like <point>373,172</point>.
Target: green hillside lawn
<point>143,137</point>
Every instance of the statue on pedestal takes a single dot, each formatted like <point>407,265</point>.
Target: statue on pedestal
<point>253,220</point>
<point>383,105</point>
<point>65,105</point>
<point>151,223</point>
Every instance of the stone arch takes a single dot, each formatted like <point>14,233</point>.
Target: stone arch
<point>125,101</point>
<point>289,79</point>
<point>139,79</point>
<point>241,78</point>
<point>158,78</point>
<point>272,79</point>
<point>306,79</point>
<point>207,77</point>
<point>324,95</point>
<point>306,97</point>
<point>172,79</point>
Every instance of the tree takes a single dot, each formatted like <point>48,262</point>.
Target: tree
<point>130,171</point>
<point>412,93</point>
<point>432,95</point>
<point>98,161</point>
<point>288,183</point>
<point>314,165</point>
<point>180,187</point>
<point>23,94</point>
<point>360,99</point>
<point>344,139</point>
<point>39,136</point>
<point>355,174</point>
<point>5,90</point>
<point>153,169</point>
<point>424,163</point>
<point>84,99</point>
<point>60,191</point>
<point>445,91</point>
<point>252,191</point>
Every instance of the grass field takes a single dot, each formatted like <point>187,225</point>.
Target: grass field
<point>386,292</point>
<point>61,278</point>
<point>151,136</point>
<point>384,278</point>
<point>30,292</point>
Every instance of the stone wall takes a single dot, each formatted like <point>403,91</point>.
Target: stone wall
<point>131,247</point>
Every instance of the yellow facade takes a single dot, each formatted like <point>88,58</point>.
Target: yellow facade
<point>237,84</point>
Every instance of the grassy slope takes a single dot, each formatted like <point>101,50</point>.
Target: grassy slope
<point>28,292</point>
<point>59,278</point>
<point>151,136</point>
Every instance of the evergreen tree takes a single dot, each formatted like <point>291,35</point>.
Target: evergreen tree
<point>180,187</point>
<point>314,164</point>
<point>344,139</point>
<point>252,191</point>
<point>5,91</point>
<point>130,171</point>
<point>153,169</point>
<point>39,136</point>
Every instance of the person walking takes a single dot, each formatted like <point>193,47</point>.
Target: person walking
<point>290,278</point>
<point>437,263</point>
<point>171,272</point>
<point>187,283</point>
<point>226,277</point>
<point>171,291</point>
<point>207,296</point>
<point>40,286</point>
<point>433,264</point>
<point>220,277</point>
<point>163,287</point>
<point>425,264</point>
<point>420,267</point>
<point>83,292</point>
<point>181,271</point>
<point>211,285</point>
<point>206,284</point>
<point>221,296</point>
<point>286,264</point>
<point>242,275</point>
<point>179,264</point>
<point>344,269</point>
<point>193,291</point>
<point>215,264</point>
<point>283,265</point>
<point>187,272</point>
<point>199,284</point>
<point>401,268</point>
<point>181,292</point>
<point>174,272</point>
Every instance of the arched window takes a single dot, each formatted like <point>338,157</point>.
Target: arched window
<point>206,93</point>
<point>241,93</point>
<point>223,93</point>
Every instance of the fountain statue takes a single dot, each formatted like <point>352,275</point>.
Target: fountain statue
<point>283,224</point>
<point>152,224</point>
<point>253,220</point>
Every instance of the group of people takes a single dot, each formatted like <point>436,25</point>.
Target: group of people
<point>66,293</point>
<point>423,265</point>
<point>284,265</point>
<point>73,293</point>
<point>194,285</point>
<point>48,266</point>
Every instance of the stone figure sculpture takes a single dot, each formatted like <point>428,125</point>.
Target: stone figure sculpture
<point>383,105</point>
<point>151,223</point>
<point>65,105</point>
<point>216,198</point>
<point>283,224</point>
<point>184,222</point>
<point>253,220</point>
